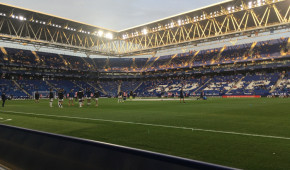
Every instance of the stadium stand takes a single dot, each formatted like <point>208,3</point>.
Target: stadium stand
<point>159,76</point>
<point>31,86</point>
<point>11,89</point>
<point>282,87</point>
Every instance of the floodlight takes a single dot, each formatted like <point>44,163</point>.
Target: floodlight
<point>109,36</point>
<point>144,31</point>
<point>100,33</point>
<point>250,4</point>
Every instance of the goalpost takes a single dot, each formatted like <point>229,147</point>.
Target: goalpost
<point>44,94</point>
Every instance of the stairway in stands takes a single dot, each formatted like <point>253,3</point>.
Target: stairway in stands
<point>251,50</point>
<point>219,55</point>
<point>172,57</point>
<point>94,65</point>
<point>5,57</point>
<point>133,65</point>
<point>235,85</point>
<point>77,85</point>
<point>138,86</point>
<point>67,63</point>
<point>150,64</point>
<point>119,87</point>
<point>96,88</point>
<point>102,89</point>
<point>4,51</point>
<point>191,60</point>
<point>51,86</point>
<point>16,84</point>
<point>278,83</point>
<point>203,85</point>
<point>87,63</point>
<point>37,59</point>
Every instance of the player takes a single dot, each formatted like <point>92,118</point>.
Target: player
<point>4,98</point>
<point>97,96</point>
<point>202,96</point>
<point>181,95</point>
<point>36,96</point>
<point>51,97</point>
<point>120,97</point>
<point>89,97</point>
<point>131,95</point>
<point>124,96</point>
<point>71,98</point>
<point>60,98</point>
<point>80,97</point>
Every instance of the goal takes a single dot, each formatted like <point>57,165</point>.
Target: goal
<point>43,94</point>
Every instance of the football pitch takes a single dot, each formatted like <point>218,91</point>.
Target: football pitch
<point>240,133</point>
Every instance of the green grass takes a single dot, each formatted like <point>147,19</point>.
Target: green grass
<point>269,117</point>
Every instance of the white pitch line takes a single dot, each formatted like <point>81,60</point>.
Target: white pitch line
<point>7,120</point>
<point>176,99</point>
<point>155,125</point>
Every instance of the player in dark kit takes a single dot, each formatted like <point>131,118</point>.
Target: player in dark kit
<point>131,95</point>
<point>51,97</point>
<point>97,96</point>
<point>181,95</point>
<point>202,95</point>
<point>89,97</point>
<point>36,96</point>
<point>60,98</point>
<point>71,98</point>
<point>80,97</point>
<point>4,98</point>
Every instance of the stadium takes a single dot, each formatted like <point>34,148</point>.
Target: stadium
<point>204,89</point>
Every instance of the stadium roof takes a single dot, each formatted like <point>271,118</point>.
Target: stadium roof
<point>223,20</point>
<point>49,17</point>
<point>11,9</point>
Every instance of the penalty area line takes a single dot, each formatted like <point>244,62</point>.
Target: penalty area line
<point>153,125</point>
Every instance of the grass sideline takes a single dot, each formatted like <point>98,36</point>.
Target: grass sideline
<point>137,124</point>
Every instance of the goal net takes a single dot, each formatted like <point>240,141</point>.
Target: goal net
<point>43,94</point>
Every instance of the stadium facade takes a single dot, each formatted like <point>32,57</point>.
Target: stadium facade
<point>257,68</point>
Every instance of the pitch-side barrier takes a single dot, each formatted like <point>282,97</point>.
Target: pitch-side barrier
<point>34,150</point>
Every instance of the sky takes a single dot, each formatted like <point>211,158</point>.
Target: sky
<point>112,14</point>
